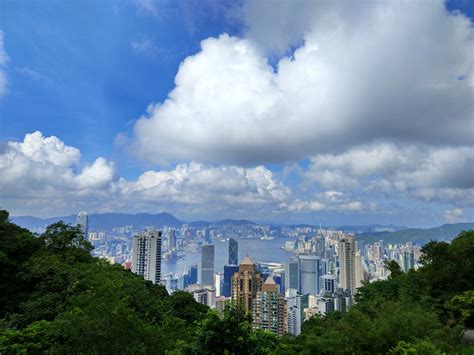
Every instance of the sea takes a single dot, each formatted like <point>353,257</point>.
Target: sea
<point>265,251</point>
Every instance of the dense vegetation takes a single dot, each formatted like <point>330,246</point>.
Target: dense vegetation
<point>56,298</point>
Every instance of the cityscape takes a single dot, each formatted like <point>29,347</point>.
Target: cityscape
<point>320,273</point>
<point>237,177</point>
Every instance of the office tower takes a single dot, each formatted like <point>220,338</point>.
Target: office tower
<point>359,270</point>
<point>192,271</point>
<point>82,221</point>
<point>245,284</point>
<point>309,274</point>
<point>408,259</point>
<point>229,271</point>
<point>269,309</point>
<point>233,252</point>
<point>207,265</point>
<point>294,310</point>
<point>218,280</point>
<point>172,239</point>
<point>292,274</point>
<point>347,264</point>
<point>146,258</point>
<point>330,283</point>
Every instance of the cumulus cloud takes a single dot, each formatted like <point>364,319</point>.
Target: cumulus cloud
<point>44,171</point>
<point>198,184</point>
<point>4,59</point>
<point>355,78</point>
<point>453,215</point>
<point>428,173</point>
<point>44,167</point>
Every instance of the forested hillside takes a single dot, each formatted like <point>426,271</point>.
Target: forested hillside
<point>56,298</point>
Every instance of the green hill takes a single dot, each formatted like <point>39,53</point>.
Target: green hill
<point>446,232</point>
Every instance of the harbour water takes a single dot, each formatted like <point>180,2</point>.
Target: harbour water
<point>258,250</point>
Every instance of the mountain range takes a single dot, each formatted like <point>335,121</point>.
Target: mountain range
<point>369,233</point>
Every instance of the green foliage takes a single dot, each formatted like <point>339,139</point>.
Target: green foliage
<point>232,333</point>
<point>56,298</point>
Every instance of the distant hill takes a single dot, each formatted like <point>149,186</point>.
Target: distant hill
<point>105,220</point>
<point>234,222</point>
<point>446,232</point>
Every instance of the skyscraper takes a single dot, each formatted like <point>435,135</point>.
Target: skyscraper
<point>292,274</point>
<point>146,257</point>
<point>408,259</point>
<point>82,221</point>
<point>229,271</point>
<point>218,281</point>
<point>309,274</point>
<point>346,254</point>
<point>207,265</point>
<point>172,239</point>
<point>358,271</point>
<point>295,311</point>
<point>269,309</point>
<point>245,284</point>
<point>233,252</point>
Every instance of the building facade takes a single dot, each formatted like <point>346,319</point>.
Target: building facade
<point>207,265</point>
<point>269,309</point>
<point>245,284</point>
<point>146,257</point>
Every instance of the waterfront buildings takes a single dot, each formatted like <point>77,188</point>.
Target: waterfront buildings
<point>146,257</point>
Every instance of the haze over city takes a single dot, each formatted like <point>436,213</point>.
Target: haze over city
<point>337,114</point>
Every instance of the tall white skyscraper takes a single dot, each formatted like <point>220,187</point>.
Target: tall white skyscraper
<point>82,221</point>
<point>218,281</point>
<point>295,311</point>
<point>346,255</point>
<point>146,258</point>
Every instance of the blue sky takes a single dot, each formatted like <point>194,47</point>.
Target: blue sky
<point>86,72</point>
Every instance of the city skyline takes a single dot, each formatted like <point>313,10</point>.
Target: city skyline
<point>207,112</point>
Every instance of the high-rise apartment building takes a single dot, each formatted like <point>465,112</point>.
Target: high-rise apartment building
<point>309,274</point>
<point>295,311</point>
<point>245,284</point>
<point>233,252</point>
<point>82,221</point>
<point>146,257</point>
<point>346,255</point>
<point>359,270</point>
<point>269,309</point>
<point>207,265</point>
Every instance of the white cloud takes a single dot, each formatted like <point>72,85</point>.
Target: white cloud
<point>198,184</point>
<point>427,173</point>
<point>44,172</point>
<point>305,206</point>
<point>354,206</point>
<point>346,84</point>
<point>453,215</point>
<point>44,167</point>
<point>4,59</point>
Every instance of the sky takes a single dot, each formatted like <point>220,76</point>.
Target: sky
<point>275,111</point>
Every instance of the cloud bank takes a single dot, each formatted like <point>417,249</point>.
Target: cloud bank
<point>393,71</point>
